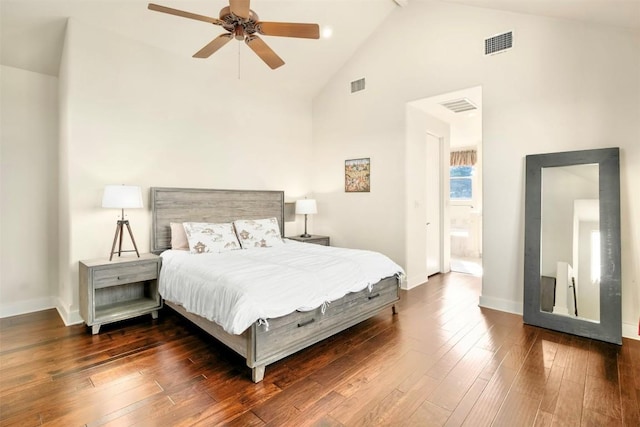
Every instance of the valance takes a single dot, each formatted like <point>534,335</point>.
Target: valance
<point>463,158</point>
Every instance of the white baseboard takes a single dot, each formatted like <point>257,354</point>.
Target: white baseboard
<point>69,317</point>
<point>501,304</point>
<point>28,306</point>
<point>630,330</point>
<point>414,281</point>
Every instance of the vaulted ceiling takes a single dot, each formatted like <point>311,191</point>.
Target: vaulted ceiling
<point>32,31</point>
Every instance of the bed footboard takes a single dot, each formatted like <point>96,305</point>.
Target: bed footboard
<point>262,345</point>
<point>289,334</point>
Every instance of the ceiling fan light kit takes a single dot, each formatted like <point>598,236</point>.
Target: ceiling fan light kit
<point>241,22</point>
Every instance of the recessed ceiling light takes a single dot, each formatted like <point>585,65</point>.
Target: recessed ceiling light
<point>327,32</point>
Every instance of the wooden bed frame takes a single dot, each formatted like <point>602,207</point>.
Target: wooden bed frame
<point>287,334</point>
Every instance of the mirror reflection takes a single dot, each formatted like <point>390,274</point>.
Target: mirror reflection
<point>570,242</point>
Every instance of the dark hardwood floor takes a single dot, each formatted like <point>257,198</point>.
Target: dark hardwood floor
<point>441,361</point>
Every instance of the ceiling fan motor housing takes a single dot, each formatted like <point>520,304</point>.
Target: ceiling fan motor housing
<point>238,25</point>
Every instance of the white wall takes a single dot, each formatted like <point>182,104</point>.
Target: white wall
<point>28,190</point>
<point>564,86</point>
<point>134,114</point>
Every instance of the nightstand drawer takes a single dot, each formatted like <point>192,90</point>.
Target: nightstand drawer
<point>122,274</point>
<point>315,239</point>
<point>324,241</point>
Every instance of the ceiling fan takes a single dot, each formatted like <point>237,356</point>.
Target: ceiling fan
<point>243,23</point>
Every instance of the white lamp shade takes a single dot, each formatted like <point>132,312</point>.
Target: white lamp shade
<point>122,196</point>
<point>306,206</point>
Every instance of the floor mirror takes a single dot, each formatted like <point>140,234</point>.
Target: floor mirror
<point>572,278</point>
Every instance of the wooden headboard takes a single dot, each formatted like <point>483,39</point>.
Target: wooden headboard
<point>203,205</point>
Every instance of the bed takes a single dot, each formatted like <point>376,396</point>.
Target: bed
<point>264,341</point>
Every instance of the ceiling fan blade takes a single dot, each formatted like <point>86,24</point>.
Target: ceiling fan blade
<point>289,29</point>
<point>264,52</point>
<point>240,8</point>
<point>184,14</point>
<point>213,46</point>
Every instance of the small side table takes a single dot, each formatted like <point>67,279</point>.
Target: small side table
<point>315,239</point>
<point>119,289</point>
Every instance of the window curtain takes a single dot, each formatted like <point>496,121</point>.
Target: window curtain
<point>463,158</point>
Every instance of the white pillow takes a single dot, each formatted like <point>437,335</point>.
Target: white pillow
<point>258,233</point>
<point>210,238</point>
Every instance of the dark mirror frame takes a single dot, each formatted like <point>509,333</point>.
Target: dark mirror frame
<point>609,328</point>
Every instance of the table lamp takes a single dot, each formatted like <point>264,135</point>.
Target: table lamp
<point>121,197</point>
<point>306,207</point>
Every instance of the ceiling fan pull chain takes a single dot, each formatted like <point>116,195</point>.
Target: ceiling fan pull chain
<point>238,60</point>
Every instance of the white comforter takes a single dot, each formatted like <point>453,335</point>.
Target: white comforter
<point>240,287</point>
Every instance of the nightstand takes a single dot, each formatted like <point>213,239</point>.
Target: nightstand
<point>318,240</point>
<point>119,289</point>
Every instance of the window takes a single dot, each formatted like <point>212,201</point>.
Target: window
<point>461,184</point>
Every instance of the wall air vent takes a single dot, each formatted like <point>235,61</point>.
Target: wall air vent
<point>459,105</point>
<point>357,85</point>
<point>499,43</point>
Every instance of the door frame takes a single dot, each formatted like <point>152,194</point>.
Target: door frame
<point>444,185</point>
<point>418,123</point>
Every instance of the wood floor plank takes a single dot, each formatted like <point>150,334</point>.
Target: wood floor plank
<point>368,394</point>
<point>461,412</point>
<point>247,394</point>
<point>629,404</point>
<point>429,415</point>
<point>490,400</point>
<point>171,409</point>
<point>543,419</point>
<point>299,395</point>
<point>552,389</point>
<point>316,413</point>
<point>204,415</point>
<point>408,402</point>
<point>602,396</point>
<point>603,361</point>
<point>596,419</point>
<point>101,402</point>
<point>460,378</point>
<point>462,348</point>
<point>569,407</point>
<point>577,360</point>
<point>442,360</point>
<point>248,419</point>
<point>379,363</point>
<point>142,409</point>
<point>518,409</point>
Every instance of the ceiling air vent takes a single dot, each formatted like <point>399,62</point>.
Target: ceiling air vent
<point>499,43</point>
<point>357,85</point>
<point>459,105</point>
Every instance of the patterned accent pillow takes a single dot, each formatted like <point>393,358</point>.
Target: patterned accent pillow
<point>210,238</point>
<point>258,233</point>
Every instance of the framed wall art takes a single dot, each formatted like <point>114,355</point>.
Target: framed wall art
<point>357,175</point>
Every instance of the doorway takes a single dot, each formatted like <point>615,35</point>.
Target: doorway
<point>454,120</point>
